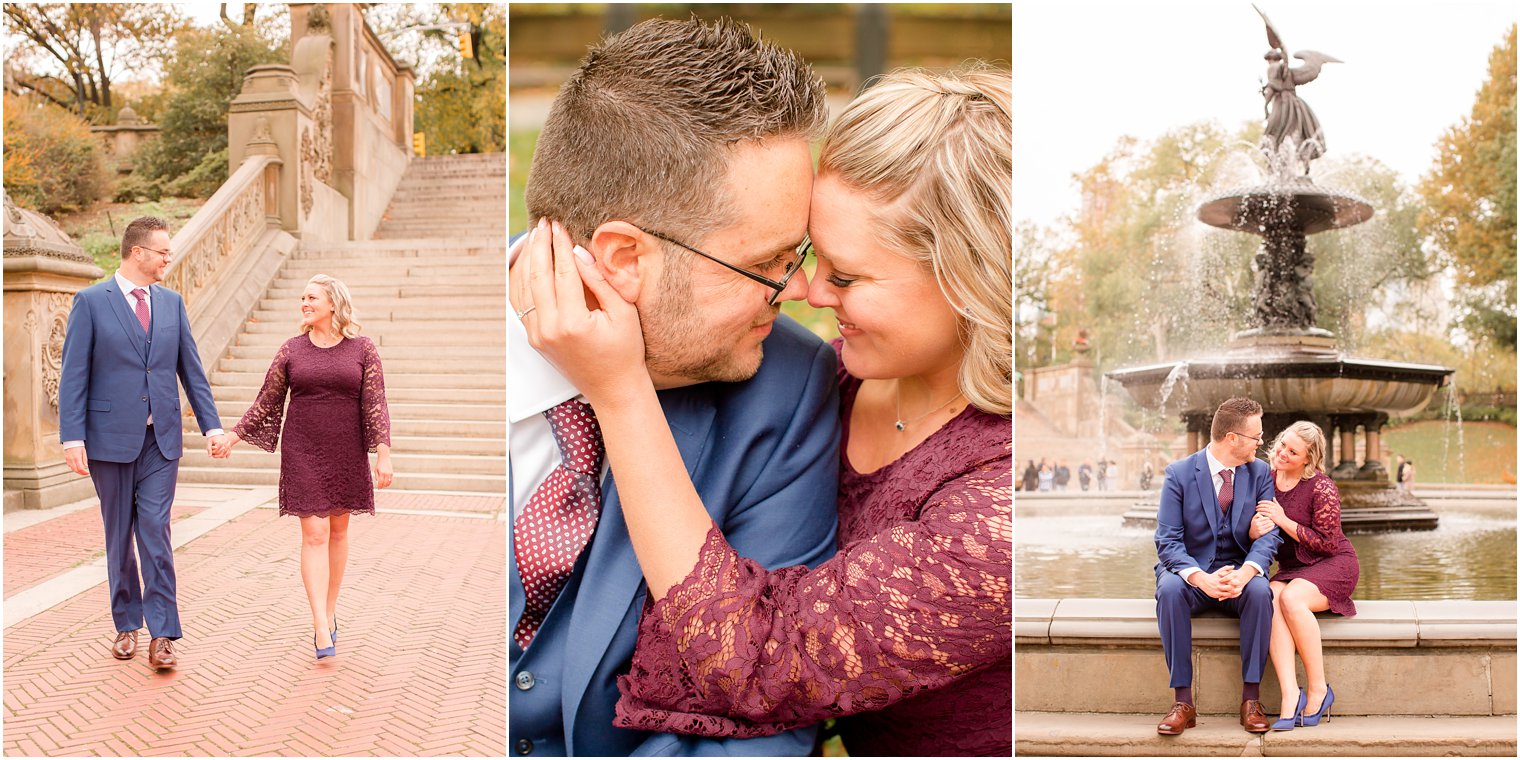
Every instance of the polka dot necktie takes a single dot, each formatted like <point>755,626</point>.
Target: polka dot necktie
<point>561,515</point>
<point>1227,491</point>
<point>142,306</point>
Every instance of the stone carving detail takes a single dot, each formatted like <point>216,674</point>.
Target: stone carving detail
<point>241,221</point>
<point>52,349</point>
<point>307,170</point>
<point>322,140</point>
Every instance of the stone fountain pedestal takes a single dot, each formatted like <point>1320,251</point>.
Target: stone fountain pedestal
<point>1292,367</point>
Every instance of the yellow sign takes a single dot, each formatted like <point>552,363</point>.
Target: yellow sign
<point>419,143</point>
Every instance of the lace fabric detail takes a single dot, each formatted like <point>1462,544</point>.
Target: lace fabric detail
<point>260,425</point>
<point>925,600</point>
<point>372,404</point>
<point>1322,537</point>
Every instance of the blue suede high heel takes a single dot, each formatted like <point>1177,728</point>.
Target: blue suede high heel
<point>334,631</point>
<point>1288,724</point>
<point>1324,709</point>
<point>327,651</point>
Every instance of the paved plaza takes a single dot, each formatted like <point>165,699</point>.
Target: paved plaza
<point>421,662</point>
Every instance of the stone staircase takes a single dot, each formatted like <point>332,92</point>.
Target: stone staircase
<point>430,291</point>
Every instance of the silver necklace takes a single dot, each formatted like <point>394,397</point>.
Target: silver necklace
<point>902,424</point>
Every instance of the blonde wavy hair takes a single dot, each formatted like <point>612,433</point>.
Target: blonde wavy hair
<point>344,321</point>
<point>935,151</point>
<point>1314,442</point>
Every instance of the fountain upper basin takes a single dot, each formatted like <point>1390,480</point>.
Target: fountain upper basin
<point>1301,382</point>
<point>1297,205</point>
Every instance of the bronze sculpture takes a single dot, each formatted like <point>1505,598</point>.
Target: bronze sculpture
<point>1292,131</point>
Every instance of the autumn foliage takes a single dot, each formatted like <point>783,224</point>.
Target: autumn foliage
<point>52,161</point>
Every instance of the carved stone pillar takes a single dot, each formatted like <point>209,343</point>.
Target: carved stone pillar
<point>266,118</point>
<point>1346,468</point>
<point>43,271</point>
<point>1372,468</point>
<point>1198,425</point>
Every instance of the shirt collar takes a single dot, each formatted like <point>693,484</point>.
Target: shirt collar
<point>1214,464</point>
<point>536,385</point>
<point>127,286</point>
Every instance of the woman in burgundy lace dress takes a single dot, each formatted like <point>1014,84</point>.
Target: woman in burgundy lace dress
<point>905,633</point>
<point>337,414</point>
<point>1317,569</point>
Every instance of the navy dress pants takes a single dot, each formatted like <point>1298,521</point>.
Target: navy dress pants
<point>1177,602</point>
<point>134,500</point>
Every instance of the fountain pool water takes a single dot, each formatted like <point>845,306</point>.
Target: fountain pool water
<point>1470,555</point>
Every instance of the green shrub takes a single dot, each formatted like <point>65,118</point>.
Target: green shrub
<point>52,161</point>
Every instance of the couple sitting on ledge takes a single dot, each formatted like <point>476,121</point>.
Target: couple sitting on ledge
<point>1224,516</point>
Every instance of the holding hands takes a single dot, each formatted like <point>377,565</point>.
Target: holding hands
<point>220,446</point>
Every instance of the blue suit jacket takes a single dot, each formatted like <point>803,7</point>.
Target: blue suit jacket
<point>114,375</point>
<point>1189,514</point>
<point>764,456</point>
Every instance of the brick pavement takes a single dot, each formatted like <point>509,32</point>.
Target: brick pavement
<point>34,554</point>
<point>420,670</point>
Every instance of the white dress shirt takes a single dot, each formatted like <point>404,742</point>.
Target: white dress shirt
<point>1215,466</point>
<point>127,286</point>
<point>536,387</point>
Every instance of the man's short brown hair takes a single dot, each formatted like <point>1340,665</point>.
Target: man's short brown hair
<point>641,130</point>
<point>138,231</point>
<point>1229,416</point>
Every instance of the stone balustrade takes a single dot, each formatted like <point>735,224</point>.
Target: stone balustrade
<point>1447,658</point>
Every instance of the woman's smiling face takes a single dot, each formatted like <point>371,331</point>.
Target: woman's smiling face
<point>893,317</point>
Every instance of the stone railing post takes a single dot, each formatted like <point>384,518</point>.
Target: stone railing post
<point>43,271</point>
<point>266,119</point>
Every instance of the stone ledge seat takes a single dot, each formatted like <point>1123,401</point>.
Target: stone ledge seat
<point>1396,657</point>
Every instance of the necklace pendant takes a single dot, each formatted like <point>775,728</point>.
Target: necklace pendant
<point>901,425</point>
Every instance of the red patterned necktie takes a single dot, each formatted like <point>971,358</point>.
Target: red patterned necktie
<point>142,306</point>
<point>561,515</point>
<point>1227,491</point>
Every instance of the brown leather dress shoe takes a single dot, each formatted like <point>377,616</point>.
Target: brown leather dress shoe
<point>125,646</point>
<point>161,655</point>
<point>1183,715</point>
<point>1253,718</point>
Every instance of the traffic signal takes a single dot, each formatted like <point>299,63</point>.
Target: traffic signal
<point>419,143</point>
<point>466,44</point>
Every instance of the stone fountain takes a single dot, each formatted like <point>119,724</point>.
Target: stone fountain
<point>1293,368</point>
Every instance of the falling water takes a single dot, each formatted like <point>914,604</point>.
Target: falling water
<point>1103,419</point>
<point>1452,412</point>
<point>1179,372</point>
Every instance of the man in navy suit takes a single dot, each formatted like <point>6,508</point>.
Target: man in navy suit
<point>1209,561</point>
<point>128,339</point>
<point>677,155</point>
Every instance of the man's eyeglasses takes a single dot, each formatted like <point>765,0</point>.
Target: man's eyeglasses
<point>164,254</point>
<point>776,285</point>
<point>1258,439</point>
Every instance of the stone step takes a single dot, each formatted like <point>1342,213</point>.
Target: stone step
<point>412,444</point>
<point>422,312</point>
<point>461,381</point>
<point>1096,735</point>
<point>481,279</point>
<point>410,287</point>
<point>397,340</point>
<point>400,365</point>
<point>462,196</point>
<point>482,305</point>
<point>463,409</point>
<point>246,393</point>
<point>464,270</point>
<point>248,457</point>
<point>435,428</point>
<point>446,331</point>
<point>448,256</point>
<point>221,473</point>
<point>496,352</point>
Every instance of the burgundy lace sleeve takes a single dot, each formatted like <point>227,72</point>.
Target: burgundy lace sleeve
<point>735,650</point>
<point>372,404</point>
<point>1322,536</point>
<point>260,425</point>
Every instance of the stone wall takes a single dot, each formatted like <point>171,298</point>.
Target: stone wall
<point>1393,658</point>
